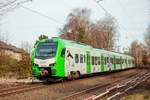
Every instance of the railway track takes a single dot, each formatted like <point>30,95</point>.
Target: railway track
<point>61,87</point>
<point>120,89</point>
<point>102,91</point>
<point>19,89</point>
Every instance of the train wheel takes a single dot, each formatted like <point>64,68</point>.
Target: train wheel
<point>70,76</point>
<point>79,75</point>
<point>109,69</point>
<point>74,75</point>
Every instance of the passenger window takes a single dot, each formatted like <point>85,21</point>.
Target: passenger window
<point>105,60</point>
<point>76,58</point>
<point>110,60</point>
<point>81,58</point>
<point>84,58</point>
<point>98,60</point>
<point>92,60</point>
<point>63,52</point>
<point>133,61</point>
<point>118,61</point>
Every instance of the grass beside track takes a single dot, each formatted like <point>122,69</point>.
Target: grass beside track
<point>141,92</point>
<point>12,68</point>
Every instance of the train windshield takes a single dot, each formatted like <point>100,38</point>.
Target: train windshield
<point>46,50</point>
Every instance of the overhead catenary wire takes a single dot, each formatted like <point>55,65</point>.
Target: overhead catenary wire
<point>108,13</point>
<point>10,5</point>
<point>97,1</point>
<point>41,14</point>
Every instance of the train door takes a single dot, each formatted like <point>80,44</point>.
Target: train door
<point>124,64</point>
<point>105,63</point>
<point>127,63</point>
<point>114,62</point>
<point>108,66</point>
<point>88,63</point>
<point>69,61</point>
<point>117,63</point>
<point>120,62</point>
<point>102,63</point>
<point>93,67</point>
<point>97,68</point>
<point>82,64</point>
<point>79,60</point>
<point>94,62</point>
<point>111,62</point>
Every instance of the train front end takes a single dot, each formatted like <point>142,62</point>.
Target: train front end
<point>45,58</point>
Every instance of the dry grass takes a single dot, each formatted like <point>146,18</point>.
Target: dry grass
<point>141,92</point>
<point>12,68</point>
<point>145,95</point>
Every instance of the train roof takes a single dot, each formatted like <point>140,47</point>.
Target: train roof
<point>71,43</point>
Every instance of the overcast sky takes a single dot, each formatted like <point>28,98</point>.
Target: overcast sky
<point>24,25</point>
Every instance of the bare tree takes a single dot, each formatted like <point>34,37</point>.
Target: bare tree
<point>80,28</point>
<point>6,6</point>
<point>26,46</point>
<point>103,33</point>
<point>77,25</point>
<point>138,51</point>
<point>5,37</point>
<point>147,38</point>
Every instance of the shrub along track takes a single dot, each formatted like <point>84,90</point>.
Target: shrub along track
<point>63,89</point>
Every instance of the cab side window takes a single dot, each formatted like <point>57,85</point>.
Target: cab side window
<point>63,52</point>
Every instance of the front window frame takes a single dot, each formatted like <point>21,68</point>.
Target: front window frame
<point>51,54</point>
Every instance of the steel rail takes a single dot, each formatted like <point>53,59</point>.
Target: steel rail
<point>76,94</point>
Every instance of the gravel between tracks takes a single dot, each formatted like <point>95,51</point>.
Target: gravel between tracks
<point>57,90</point>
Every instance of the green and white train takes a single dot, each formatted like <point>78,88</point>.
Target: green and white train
<point>59,58</point>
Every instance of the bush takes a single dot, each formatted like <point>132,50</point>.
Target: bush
<point>12,68</point>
